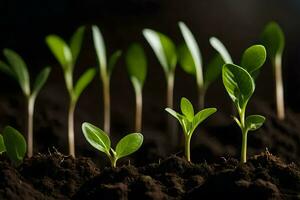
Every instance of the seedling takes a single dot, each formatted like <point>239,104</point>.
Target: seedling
<point>165,52</point>
<point>190,59</point>
<point>17,68</point>
<point>137,69</point>
<point>100,140</point>
<point>66,55</point>
<point>105,72</point>
<point>13,144</point>
<point>239,84</point>
<point>189,122</point>
<point>274,41</point>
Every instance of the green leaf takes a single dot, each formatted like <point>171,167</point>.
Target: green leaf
<point>83,82</point>
<point>163,48</point>
<point>15,145</point>
<point>238,84</point>
<point>273,39</point>
<point>194,50</point>
<point>187,108</point>
<point>129,144</point>
<point>254,122</point>
<point>253,58</point>
<point>175,114</point>
<point>40,80</point>
<point>6,69</point>
<point>221,49</point>
<point>136,63</point>
<point>213,70</point>
<point>19,68</point>
<point>113,60</point>
<point>76,42</point>
<point>185,59</point>
<point>96,137</point>
<point>100,48</point>
<point>61,51</point>
<point>2,145</point>
<point>201,116</point>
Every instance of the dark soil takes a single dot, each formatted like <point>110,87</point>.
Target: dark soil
<point>55,176</point>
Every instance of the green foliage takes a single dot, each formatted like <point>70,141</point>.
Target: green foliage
<point>163,48</point>
<point>188,121</point>
<point>100,140</point>
<point>83,82</point>
<point>254,122</point>
<point>13,143</point>
<point>185,59</point>
<point>221,49</point>
<point>273,39</point>
<point>136,63</point>
<point>213,70</point>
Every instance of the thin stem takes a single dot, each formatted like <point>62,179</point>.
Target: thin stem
<point>138,112</point>
<point>244,146</point>
<point>106,102</point>
<point>279,87</point>
<point>31,101</point>
<point>71,129</point>
<point>171,123</point>
<point>188,147</point>
<point>113,158</point>
<point>201,97</point>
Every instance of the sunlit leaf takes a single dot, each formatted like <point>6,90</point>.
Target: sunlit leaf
<point>129,144</point>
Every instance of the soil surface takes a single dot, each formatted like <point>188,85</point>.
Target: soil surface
<point>55,176</point>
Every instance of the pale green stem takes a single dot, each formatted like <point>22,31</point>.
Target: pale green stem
<point>113,158</point>
<point>31,101</point>
<point>138,112</point>
<point>171,122</point>
<point>279,87</point>
<point>106,102</point>
<point>188,147</point>
<point>244,146</point>
<point>201,97</point>
<point>71,128</point>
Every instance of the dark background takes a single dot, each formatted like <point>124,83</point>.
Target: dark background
<point>24,25</point>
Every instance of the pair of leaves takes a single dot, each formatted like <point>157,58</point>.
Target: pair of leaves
<point>188,120</point>
<point>163,48</point>
<point>136,65</point>
<point>99,44</point>
<point>100,140</point>
<point>273,39</point>
<point>13,143</point>
<point>17,68</point>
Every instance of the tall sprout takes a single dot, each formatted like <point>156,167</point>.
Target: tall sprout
<point>137,69</point>
<point>105,72</point>
<point>165,52</point>
<point>17,68</point>
<point>66,55</point>
<point>274,41</point>
<point>189,57</point>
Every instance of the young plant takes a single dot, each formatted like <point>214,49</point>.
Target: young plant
<point>13,144</point>
<point>165,51</point>
<point>66,55</point>
<point>105,72</point>
<point>239,84</point>
<point>137,69</point>
<point>189,57</point>
<point>100,140</point>
<point>17,68</point>
<point>189,122</point>
<point>274,41</point>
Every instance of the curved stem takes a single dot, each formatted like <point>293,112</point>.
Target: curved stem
<point>188,147</point>
<point>279,87</point>
<point>71,129</point>
<point>138,112</point>
<point>106,102</point>
<point>31,101</point>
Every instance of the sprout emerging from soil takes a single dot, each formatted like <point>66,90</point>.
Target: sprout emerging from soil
<point>17,68</point>
<point>189,122</point>
<point>165,52</point>
<point>274,41</point>
<point>13,144</point>
<point>105,72</point>
<point>239,84</point>
<point>66,55</point>
<point>137,69</point>
<point>190,59</point>
<point>100,140</point>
